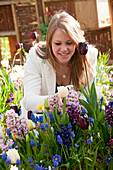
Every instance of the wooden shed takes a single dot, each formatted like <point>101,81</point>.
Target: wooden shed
<point>20,17</point>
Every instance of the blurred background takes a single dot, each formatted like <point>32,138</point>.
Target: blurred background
<point>20,18</point>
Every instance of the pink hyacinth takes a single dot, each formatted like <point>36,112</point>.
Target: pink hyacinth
<point>55,102</point>
<point>4,145</point>
<point>16,124</point>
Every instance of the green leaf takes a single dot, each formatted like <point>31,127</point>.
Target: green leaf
<point>93,97</point>
<point>24,159</point>
<point>85,93</point>
<point>91,113</point>
<point>94,160</point>
<point>28,146</point>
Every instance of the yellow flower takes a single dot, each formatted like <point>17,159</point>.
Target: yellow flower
<point>40,107</point>
<point>14,137</point>
<point>29,124</point>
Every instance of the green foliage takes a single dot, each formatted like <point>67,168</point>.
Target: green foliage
<point>5,50</point>
<point>7,87</point>
<point>44,26</point>
<point>104,76</point>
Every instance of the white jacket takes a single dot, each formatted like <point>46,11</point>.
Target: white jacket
<point>40,78</point>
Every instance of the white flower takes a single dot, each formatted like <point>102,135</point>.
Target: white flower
<point>13,154</point>
<point>98,135</point>
<point>13,167</point>
<point>49,168</point>
<point>99,92</point>
<point>62,91</point>
<point>5,63</point>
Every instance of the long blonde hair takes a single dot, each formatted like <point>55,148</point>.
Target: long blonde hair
<point>71,27</point>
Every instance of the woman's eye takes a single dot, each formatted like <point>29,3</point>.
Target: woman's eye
<point>69,43</point>
<point>57,43</point>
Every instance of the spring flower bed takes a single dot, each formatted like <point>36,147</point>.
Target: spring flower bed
<point>71,133</point>
<point>75,130</point>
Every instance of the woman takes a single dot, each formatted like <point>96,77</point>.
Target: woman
<point>57,62</point>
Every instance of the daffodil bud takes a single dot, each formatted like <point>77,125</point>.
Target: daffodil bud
<point>46,104</point>
<point>29,124</point>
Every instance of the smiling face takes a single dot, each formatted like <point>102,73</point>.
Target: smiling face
<point>62,46</point>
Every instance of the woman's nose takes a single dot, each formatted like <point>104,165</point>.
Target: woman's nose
<point>63,48</point>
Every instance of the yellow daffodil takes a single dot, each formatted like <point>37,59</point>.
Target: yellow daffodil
<point>14,137</point>
<point>40,107</point>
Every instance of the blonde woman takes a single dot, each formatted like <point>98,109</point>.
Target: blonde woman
<point>57,61</point>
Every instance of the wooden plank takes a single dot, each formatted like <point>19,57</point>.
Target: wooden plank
<point>86,14</point>
<point>110,3</point>
<point>16,27</point>
<point>15,22</point>
<point>14,2</point>
<point>51,1</point>
<point>37,12</point>
<point>12,45</point>
<point>7,33</point>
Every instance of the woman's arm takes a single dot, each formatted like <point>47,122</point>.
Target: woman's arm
<point>32,82</point>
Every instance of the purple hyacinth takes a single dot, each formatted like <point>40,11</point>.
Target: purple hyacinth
<point>17,125</point>
<point>73,106</point>
<point>110,144</point>
<point>109,114</point>
<point>65,136</point>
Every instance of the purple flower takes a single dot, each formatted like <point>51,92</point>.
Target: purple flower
<point>17,125</point>
<point>56,164</point>
<point>19,46</point>
<point>51,117</point>
<point>10,147</point>
<point>57,158</point>
<point>83,48</point>
<point>8,132</point>
<point>59,140</point>
<point>37,166</point>
<point>72,135</point>
<point>83,110</point>
<point>92,119</point>
<point>89,141</point>
<point>42,127</point>
<point>40,119</point>
<point>32,142</point>
<point>30,160</point>
<point>110,144</point>
<point>4,157</point>
<point>76,145</point>
<point>83,121</point>
<point>8,160</point>
<point>69,126</point>
<point>10,94</point>
<point>33,118</point>
<point>18,162</point>
<point>31,164</point>
<point>108,159</point>
<point>33,35</point>
<point>46,125</point>
<point>8,100</point>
